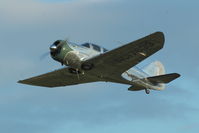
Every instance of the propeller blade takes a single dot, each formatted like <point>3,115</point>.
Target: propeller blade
<point>43,56</point>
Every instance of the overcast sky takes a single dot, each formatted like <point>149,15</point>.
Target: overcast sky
<point>28,27</point>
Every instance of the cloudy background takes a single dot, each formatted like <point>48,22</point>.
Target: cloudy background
<point>28,27</point>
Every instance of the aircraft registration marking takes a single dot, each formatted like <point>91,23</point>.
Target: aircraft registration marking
<point>141,50</point>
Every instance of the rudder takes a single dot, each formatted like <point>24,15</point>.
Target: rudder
<point>155,68</point>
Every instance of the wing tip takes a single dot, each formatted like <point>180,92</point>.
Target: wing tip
<point>159,33</point>
<point>20,81</point>
<point>160,36</point>
<point>33,84</point>
<point>177,75</point>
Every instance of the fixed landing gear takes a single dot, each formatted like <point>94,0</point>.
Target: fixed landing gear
<point>147,91</point>
<point>74,71</point>
<point>87,66</point>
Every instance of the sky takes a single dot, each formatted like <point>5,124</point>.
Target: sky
<point>29,27</point>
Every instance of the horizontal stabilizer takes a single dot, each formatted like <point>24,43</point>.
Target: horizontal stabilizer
<point>136,88</point>
<point>163,78</point>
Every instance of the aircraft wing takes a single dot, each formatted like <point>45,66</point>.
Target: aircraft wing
<point>61,77</point>
<point>118,60</point>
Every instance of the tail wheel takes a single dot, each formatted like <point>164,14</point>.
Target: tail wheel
<point>147,91</point>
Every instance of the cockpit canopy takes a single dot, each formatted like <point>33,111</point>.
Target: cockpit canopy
<point>95,47</point>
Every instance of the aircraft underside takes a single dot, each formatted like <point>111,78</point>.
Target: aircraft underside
<point>89,62</point>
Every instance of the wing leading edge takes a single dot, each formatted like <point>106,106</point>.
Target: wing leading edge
<point>118,60</point>
<point>61,77</point>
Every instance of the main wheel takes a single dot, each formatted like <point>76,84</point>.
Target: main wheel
<point>87,66</point>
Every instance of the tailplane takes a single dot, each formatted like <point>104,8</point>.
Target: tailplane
<point>166,78</point>
<point>156,72</point>
<point>158,81</point>
<point>156,78</point>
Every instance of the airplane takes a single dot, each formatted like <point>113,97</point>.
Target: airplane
<point>91,63</point>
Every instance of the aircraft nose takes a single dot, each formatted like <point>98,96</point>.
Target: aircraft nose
<point>53,48</point>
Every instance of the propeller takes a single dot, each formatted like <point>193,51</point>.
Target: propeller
<point>44,55</point>
<point>53,49</point>
<point>56,47</point>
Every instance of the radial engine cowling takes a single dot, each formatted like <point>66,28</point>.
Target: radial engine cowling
<point>72,59</point>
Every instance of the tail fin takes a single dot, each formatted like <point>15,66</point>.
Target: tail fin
<point>155,68</point>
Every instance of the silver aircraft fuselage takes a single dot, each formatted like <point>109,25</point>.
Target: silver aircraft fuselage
<point>134,74</point>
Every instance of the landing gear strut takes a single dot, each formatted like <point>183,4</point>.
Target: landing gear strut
<point>74,71</point>
<point>147,91</point>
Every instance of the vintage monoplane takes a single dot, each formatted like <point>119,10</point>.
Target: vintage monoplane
<point>91,63</point>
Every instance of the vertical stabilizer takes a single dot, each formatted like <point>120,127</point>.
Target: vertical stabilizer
<point>155,68</point>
